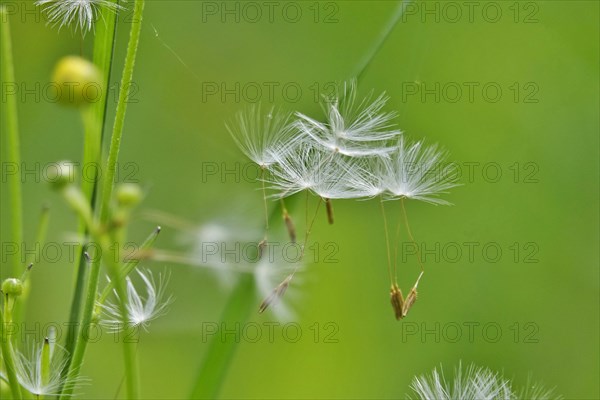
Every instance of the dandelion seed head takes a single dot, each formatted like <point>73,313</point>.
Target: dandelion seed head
<point>354,129</point>
<point>81,13</point>
<point>474,383</point>
<point>262,136</point>
<point>30,370</point>
<point>142,307</point>
<point>414,171</point>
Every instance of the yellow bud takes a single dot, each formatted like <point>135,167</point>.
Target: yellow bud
<point>78,81</point>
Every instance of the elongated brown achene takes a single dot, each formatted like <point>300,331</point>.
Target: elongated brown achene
<point>276,294</point>
<point>329,208</point>
<point>397,301</point>
<point>262,245</point>
<point>289,224</point>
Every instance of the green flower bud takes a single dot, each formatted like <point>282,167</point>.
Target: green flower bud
<point>78,81</point>
<point>12,287</point>
<point>60,174</point>
<point>128,194</point>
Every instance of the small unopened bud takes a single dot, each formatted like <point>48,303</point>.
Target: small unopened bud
<point>12,287</point>
<point>78,81</point>
<point>128,194</point>
<point>60,174</point>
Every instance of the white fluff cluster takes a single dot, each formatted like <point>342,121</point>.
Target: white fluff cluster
<point>475,383</point>
<point>141,309</point>
<point>355,152</point>
<point>82,13</point>
<point>40,369</point>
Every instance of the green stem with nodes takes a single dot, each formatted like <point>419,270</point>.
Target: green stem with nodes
<point>10,115</point>
<point>78,203</point>
<point>94,118</point>
<point>8,353</point>
<point>131,374</point>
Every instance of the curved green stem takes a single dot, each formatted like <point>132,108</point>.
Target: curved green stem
<point>12,143</point>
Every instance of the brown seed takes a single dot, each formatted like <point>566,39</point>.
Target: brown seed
<point>276,294</point>
<point>329,207</point>
<point>290,226</point>
<point>410,300</point>
<point>397,301</point>
<point>262,245</point>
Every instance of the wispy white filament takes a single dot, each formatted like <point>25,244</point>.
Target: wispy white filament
<point>142,309</point>
<point>259,135</point>
<point>475,383</point>
<point>82,13</point>
<point>28,365</point>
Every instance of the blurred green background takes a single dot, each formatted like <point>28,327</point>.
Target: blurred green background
<point>540,134</point>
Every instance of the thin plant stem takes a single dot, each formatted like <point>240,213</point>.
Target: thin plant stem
<point>10,115</point>
<point>131,374</point>
<point>264,192</point>
<point>8,353</point>
<point>40,239</point>
<point>410,235</point>
<point>94,122</point>
<point>92,146</point>
<point>307,234</point>
<point>221,350</point>
<point>393,278</point>
<point>131,367</point>
<point>117,134</point>
<point>382,38</point>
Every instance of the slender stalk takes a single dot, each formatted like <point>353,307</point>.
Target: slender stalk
<point>7,349</point>
<point>382,38</point>
<point>393,278</point>
<point>115,141</point>
<point>10,115</point>
<point>410,235</point>
<point>107,189</point>
<point>131,370</point>
<point>222,348</point>
<point>94,118</point>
